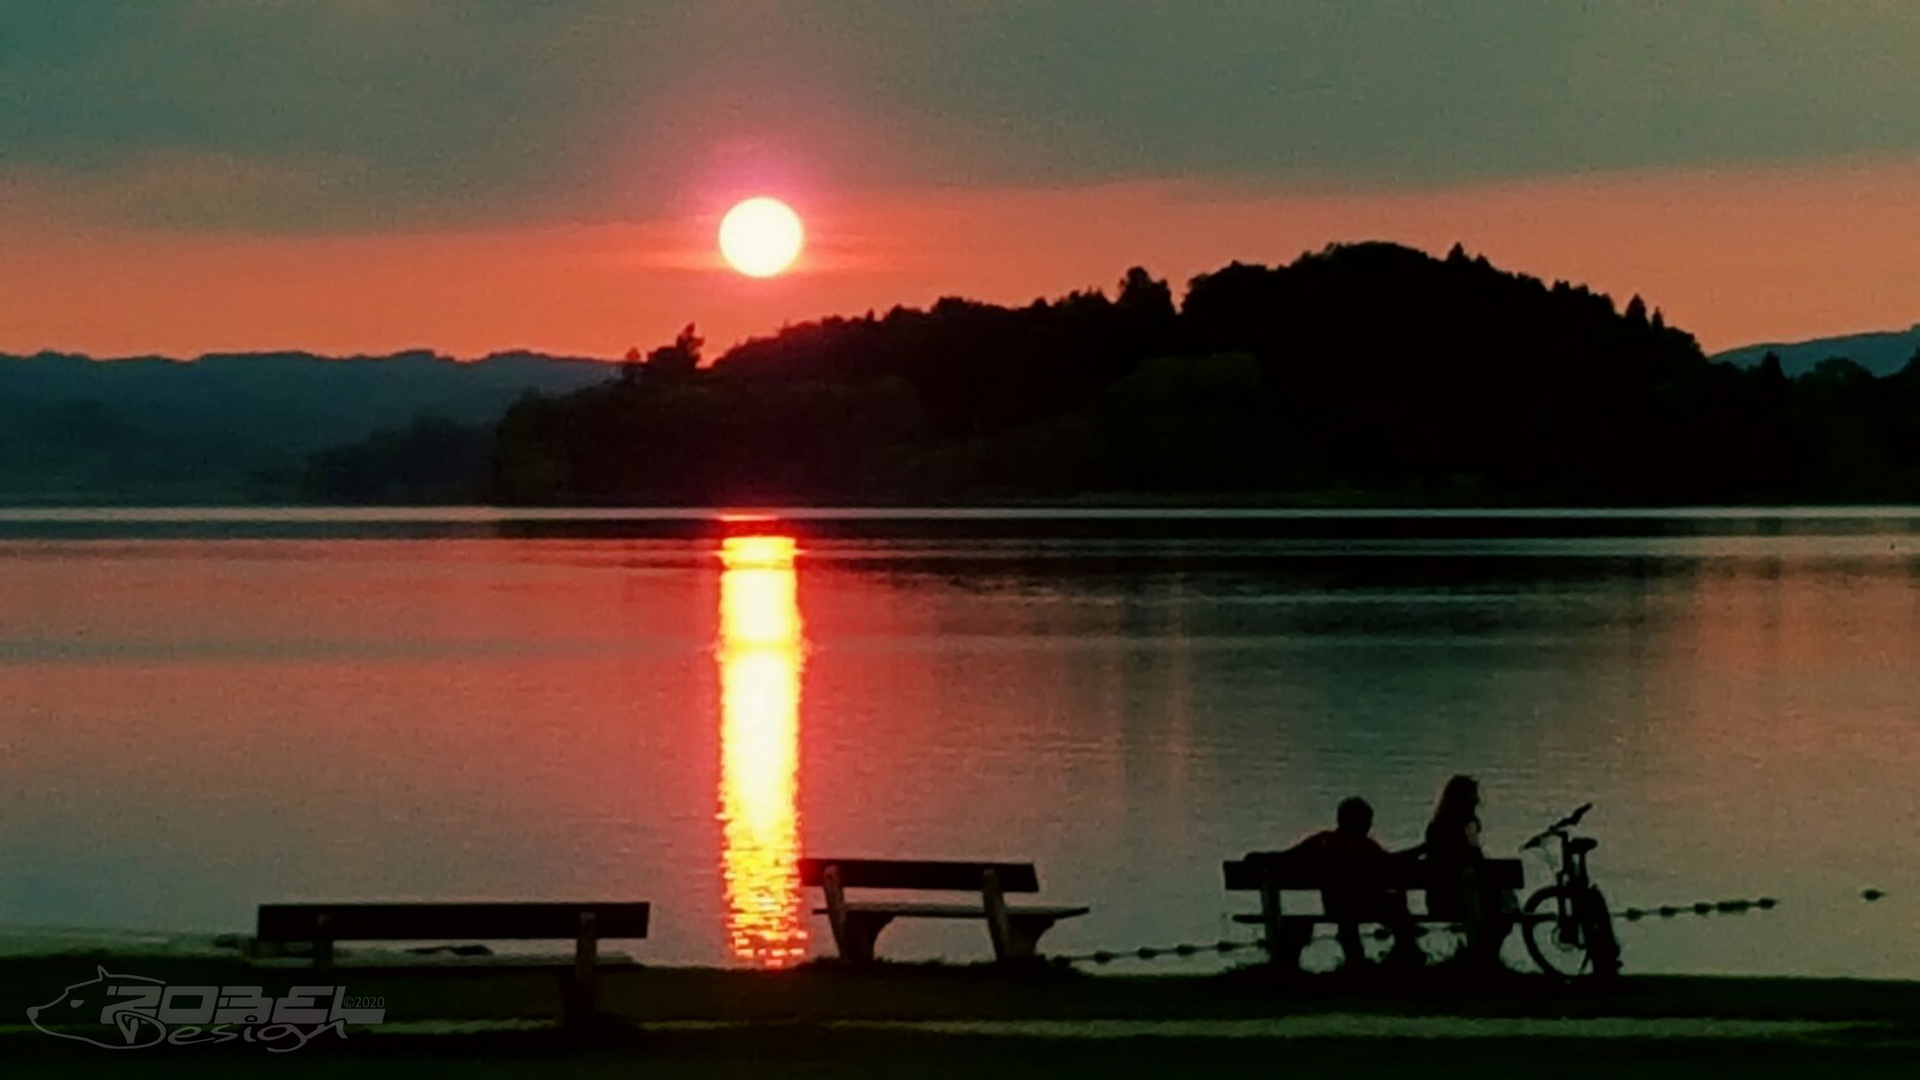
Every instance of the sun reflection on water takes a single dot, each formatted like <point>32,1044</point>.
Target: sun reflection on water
<point>760,657</point>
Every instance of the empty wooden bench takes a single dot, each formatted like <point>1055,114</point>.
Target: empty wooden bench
<point>1272,874</point>
<point>586,924</point>
<point>857,923</point>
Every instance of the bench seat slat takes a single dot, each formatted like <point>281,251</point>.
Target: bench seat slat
<point>1304,873</point>
<point>920,874</point>
<point>1015,931</point>
<point>908,909</point>
<point>439,922</point>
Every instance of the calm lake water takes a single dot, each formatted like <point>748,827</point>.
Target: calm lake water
<point>201,712</point>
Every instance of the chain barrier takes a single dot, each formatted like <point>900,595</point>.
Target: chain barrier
<point>1149,952</point>
<point>1720,907</point>
<point>1632,914</point>
<point>1185,951</point>
<point>1703,907</point>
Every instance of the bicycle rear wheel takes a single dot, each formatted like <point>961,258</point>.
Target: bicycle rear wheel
<point>1557,935</point>
<point>1602,944</point>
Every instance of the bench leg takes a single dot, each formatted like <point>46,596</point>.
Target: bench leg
<point>857,934</point>
<point>1285,943</point>
<point>1353,951</point>
<point>323,948</point>
<point>577,1005</point>
<point>1023,936</point>
<point>1284,938</point>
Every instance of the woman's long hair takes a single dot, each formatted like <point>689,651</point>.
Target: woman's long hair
<point>1459,803</point>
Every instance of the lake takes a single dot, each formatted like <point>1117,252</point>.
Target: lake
<point>201,711</point>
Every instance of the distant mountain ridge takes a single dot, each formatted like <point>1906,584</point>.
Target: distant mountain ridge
<point>223,426</point>
<point>1367,373</point>
<point>1882,352</point>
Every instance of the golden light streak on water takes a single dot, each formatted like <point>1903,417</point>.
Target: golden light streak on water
<point>760,656</point>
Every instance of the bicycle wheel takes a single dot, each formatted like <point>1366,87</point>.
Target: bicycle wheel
<point>1561,946</point>
<point>1603,946</point>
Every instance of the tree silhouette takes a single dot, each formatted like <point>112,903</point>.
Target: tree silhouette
<point>1636,313</point>
<point>1362,371</point>
<point>678,359</point>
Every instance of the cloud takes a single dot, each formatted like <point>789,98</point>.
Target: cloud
<point>423,108</point>
<point>1401,94</point>
<point>381,114</point>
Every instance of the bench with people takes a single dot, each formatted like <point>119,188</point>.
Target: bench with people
<point>1361,883</point>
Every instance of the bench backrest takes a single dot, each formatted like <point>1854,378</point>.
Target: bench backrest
<point>429,922</point>
<point>921,874</point>
<point>1316,870</point>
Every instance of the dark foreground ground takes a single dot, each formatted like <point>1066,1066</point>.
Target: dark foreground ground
<point>913,1021</point>
<point>777,1051</point>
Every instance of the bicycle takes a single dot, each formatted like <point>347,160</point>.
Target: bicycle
<point>1567,927</point>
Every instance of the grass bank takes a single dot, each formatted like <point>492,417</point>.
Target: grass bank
<point>828,991</point>
<point>937,1020</point>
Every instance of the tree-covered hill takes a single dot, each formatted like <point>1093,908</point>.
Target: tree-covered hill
<point>1361,373</point>
<point>1368,371</point>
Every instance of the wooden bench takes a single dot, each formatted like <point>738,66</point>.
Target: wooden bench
<point>856,924</point>
<point>323,924</point>
<point>1273,873</point>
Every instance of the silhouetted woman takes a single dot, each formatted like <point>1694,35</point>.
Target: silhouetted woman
<point>1453,834</point>
<point>1459,891</point>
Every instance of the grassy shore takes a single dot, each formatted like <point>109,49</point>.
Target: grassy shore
<point>828,991</point>
<point>935,1021</point>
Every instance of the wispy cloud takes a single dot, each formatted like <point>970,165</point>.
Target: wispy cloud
<point>386,114</point>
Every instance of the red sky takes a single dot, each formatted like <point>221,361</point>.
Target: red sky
<point>181,176</point>
<point>1736,256</point>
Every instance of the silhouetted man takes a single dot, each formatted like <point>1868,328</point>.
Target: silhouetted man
<point>1348,841</point>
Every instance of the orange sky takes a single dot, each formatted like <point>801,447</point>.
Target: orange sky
<point>181,176</point>
<point>1734,255</point>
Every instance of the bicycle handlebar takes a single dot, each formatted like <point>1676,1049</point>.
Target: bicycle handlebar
<point>1558,827</point>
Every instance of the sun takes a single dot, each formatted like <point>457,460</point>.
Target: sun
<point>761,237</point>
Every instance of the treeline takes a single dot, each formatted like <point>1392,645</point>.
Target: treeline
<point>241,428</point>
<point>1367,372</point>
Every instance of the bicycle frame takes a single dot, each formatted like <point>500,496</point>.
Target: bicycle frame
<point>1573,856</point>
<point>1571,878</point>
<point>1578,911</point>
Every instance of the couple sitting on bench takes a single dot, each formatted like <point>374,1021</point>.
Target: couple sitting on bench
<point>1450,853</point>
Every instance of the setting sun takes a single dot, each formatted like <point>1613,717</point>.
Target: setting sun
<point>761,237</point>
